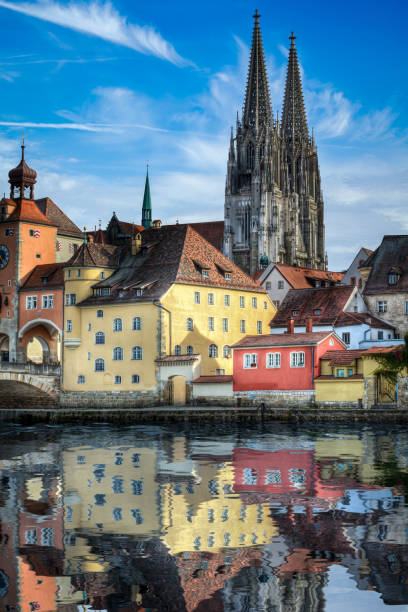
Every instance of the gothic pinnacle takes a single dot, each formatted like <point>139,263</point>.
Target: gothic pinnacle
<point>294,123</point>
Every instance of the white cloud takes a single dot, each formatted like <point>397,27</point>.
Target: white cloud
<point>101,20</point>
<point>83,127</point>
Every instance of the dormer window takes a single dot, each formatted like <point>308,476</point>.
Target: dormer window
<point>139,292</point>
<point>205,274</point>
<point>44,280</point>
<point>392,278</point>
<point>295,313</point>
<point>105,291</point>
<point>227,276</point>
<point>317,311</point>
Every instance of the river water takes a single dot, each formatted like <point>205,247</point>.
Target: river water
<point>216,518</point>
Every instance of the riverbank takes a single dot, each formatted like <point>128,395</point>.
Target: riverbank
<point>201,413</point>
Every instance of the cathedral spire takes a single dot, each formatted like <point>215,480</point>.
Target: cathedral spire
<point>257,108</point>
<point>294,123</point>
<point>147,204</point>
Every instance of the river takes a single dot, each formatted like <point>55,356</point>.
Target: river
<point>207,518</point>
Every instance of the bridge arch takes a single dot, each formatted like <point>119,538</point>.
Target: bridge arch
<point>40,341</point>
<point>37,381</point>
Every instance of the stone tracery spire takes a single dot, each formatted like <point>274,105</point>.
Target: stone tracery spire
<point>294,122</point>
<point>257,108</point>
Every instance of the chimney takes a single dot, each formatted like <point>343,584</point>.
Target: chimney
<point>156,223</point>
<point>291,326</point>
<point>309,325</point>
<point>136,243</point>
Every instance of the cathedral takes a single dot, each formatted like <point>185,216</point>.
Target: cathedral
<point>274,207</point>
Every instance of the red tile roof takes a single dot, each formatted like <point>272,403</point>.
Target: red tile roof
<point>130,228</point>
<point>55,214</point>
<point>342,357</point>
<point>95,255</point>
<point>302,278</point>
<point>392,253</point>
<point>26,210</point>
<point>282,339</point>
<point>213,231</point>
<point>381,349</point>
<point>173,358</point>
<point>213,379</point>
<point>53,273</point>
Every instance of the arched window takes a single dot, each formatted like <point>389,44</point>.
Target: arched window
<point>190,350</point>
<point>226,351</point>
<point>117,324</point>
<point>99,338</point>
<point>137,352</point>
<point>99,314</point>
<point>177,349</point>
<point>213,350</point>
<point>99,365</point>
<point>137,323</point>
<point>117,354</point>
<point>189,324</point>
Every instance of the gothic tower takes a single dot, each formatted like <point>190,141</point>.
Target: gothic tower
<point>147,204</point>
<point>273,199</point>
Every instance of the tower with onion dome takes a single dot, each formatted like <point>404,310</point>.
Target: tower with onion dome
<point>274,208</point>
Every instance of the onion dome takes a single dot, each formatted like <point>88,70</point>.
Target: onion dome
<point>22,177</point>
<point>264,261</point>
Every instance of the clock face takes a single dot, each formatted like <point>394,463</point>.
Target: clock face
<point>4,256</point>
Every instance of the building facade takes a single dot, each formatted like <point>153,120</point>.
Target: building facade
<point>274,208</point>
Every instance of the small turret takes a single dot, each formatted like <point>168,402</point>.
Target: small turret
<point>147,204</point>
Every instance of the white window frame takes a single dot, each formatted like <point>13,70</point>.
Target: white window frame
<point>344,337</point>
<point>81,379</point>
<point>225,325</point>
<point>136,323</point>
<point>242,301</point>
<point>117,353</point>
<point>227,300</point>
<point>210,323</point>
<point>70,299</point>
<point>197,297</point>
<point>117,324</point>
<point>47,301</point>
<point>273,360</point>
<point>98,314</point>
<point>31,302</point>
<point>69,325</point>
<point>189,324</point>
<point>259,327</point>
<point>254,302</point>
<point>100,334</point>
<point>382,306</point>
<point>100,361</point>
<point>211,299</point>
<point>137,353</point>
<point>296,361</point>
<point>242,326</point>
<point>250,361</point>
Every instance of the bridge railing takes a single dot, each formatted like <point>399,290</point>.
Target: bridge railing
<point>29,367</point>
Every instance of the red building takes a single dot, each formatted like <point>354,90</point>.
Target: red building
<point>288,361</point>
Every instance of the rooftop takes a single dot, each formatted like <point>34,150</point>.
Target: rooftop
<point>55,214</point>
<point>294,339</point>
<point>391,256</point>
<point>303,278</point>
<point>45,276</point>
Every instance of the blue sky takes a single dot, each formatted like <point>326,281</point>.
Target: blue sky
<point>100,88</point>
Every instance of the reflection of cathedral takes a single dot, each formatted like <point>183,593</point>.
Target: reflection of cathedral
<point>273,198</point>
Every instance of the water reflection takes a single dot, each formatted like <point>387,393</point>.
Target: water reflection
<point>249,519</point>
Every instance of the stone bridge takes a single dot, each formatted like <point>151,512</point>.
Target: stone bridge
<point>28,383</point>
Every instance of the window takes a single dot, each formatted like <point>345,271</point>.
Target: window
<point>392,278</point>
<point>242,301</point>
<point>31,302</point>
<point>226,351</point>
<point>99,338</point>
<point>345,336</point>
<point>272,477</point>
<point>99,314</point>
<point>382,306</point>
<point>118,380</point>
<point>268,285</point>
<point>69,273</point>
<point>280,284</point>
<point>117,353</point>
<point>89,356</point>
<point>105,290</point>
<point>259,327</point>
<point>117,514</point>
<point>100,499</point>
<point>317,311</point>
<point>250,360</point>
<point>380,335</point>
<point>254,302</point>
<point>227,300</point>
<point>137,487</point>
<point>69,325</point>
<point>213,350</point>
<point>31,536</point>
<point>340,373</point>
<point>225,325</point>
<point>102,275</point>
<point>349,372</point>
<point>9,283</point>
<point>196,297</point>
<point>38,255</point>
<point>99,365</point>
<point>47,536</point>
<point>211,299</point>
<point>297,360</point>
<point>137,353</point>
<point>249,476</point>
<point>177,349</point>
<point>135,379</point>
<point>242,326</point>
<point>79,272</point>
<point>210,323</point>
<point>47,301</point>
<point>205,274</point>
<point>89,326</point>
<point>297,476</point>
<point>295,313</point>
<point>189,324</point>
<point>353,280</point>
<point>137,515</point>
<point>227,276</point>
<point>117,325</point>
<point>220,372</point>
<point>265,305</point>
<point>190,350</point>
<point>273,360</point>
<point>213,487</point>
<point>70,299</point>
<point>81,379</point>
<point>31,232</point>
<point>276,303</point>
<point>137,323</point>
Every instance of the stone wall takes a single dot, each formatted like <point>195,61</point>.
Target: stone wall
<point>283,399</point>
<point>108,399</point>
<point>395,309</point>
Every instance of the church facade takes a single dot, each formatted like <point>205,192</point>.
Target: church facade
<point>274,208</point>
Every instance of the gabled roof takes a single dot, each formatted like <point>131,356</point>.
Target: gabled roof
<point>53,273</point>
<point>303,278</point>
<point>295,339</point>
<point>341,357</point>
<point>172,254</point>
<point>26,210</point>
<point>331,301</point>
<point>60,219</point>
<point>94,255</point>
<point>392,253</point>
<point>213,231</point>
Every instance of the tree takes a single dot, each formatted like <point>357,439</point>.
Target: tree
<point>394,363</point>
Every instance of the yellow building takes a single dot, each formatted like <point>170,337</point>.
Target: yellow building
<point>349,376</point>
<point>168,304</point>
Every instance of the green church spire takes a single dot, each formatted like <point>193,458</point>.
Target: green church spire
<point>147,204</point>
